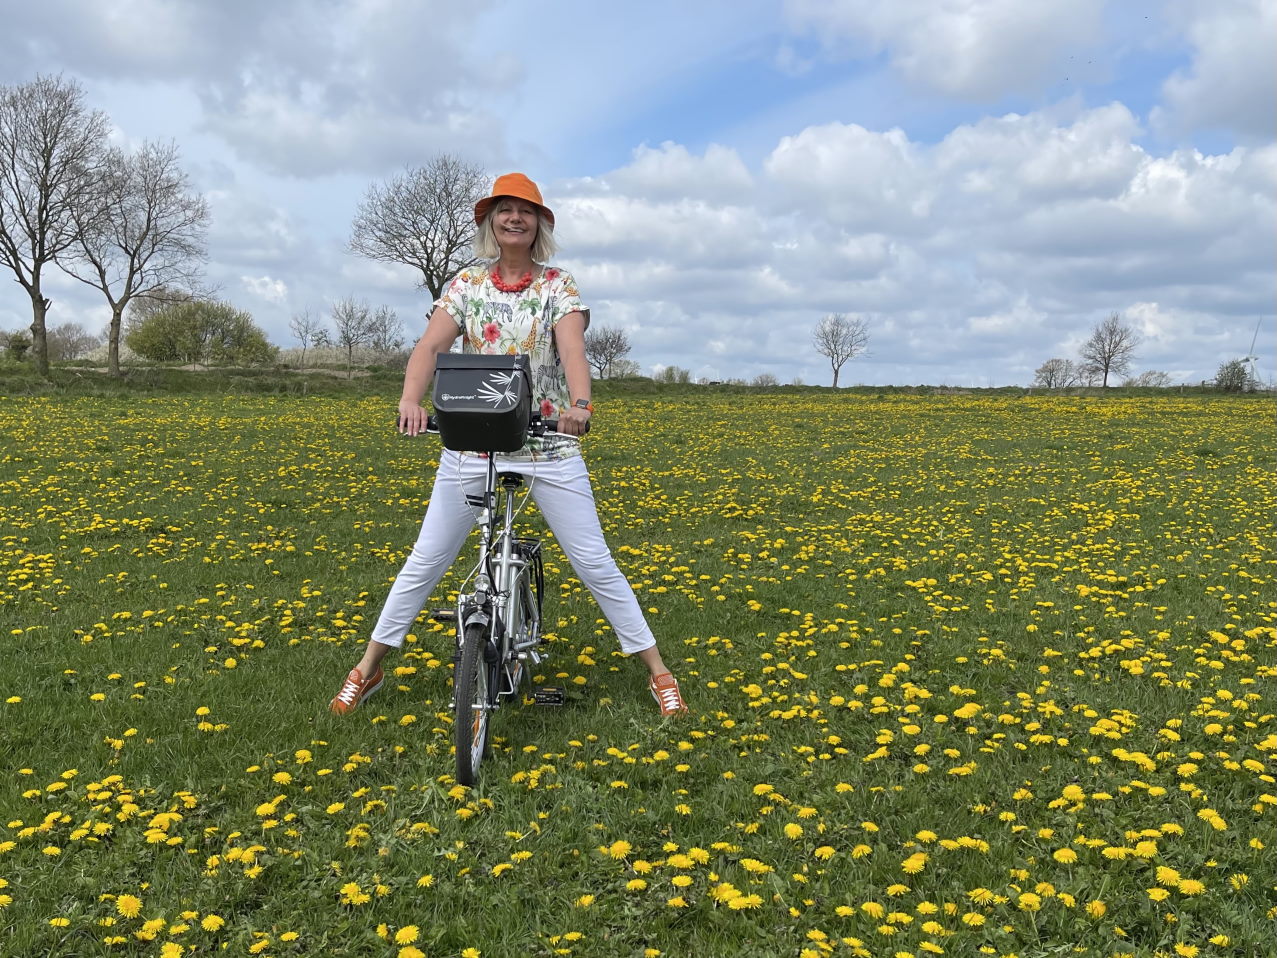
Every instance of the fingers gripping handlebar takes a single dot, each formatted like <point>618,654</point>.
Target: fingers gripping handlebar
<point>536,427</point>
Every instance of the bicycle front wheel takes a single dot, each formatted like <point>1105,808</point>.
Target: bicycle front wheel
<point>475,696</point>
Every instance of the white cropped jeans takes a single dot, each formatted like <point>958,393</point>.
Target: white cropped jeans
<point>562,492</point>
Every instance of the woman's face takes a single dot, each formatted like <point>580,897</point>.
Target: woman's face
<point>515,224</point>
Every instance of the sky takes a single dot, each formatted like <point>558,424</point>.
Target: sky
<point>982,181</point>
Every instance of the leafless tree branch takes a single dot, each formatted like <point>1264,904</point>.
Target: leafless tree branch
<point>839,338</point>
<point>1110,349</point>
<point>51,164</point>
<point>604,346</point>
<point>423,218</point>
<point>145,234</point>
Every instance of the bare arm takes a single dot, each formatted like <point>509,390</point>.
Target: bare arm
<point>569,339</point>
<point>441,332</point>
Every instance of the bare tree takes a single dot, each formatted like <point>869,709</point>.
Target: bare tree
<point>604,347</point>
<point>1057,374</point>
<point>1110,348</point>
<point>146,234</point>
<point>839,338</point>
<point>70,341</point>
<point>353,322</point>
<point>305,329</point>
<point>765,381</point>
<point>385,331</point>
<point>1149,379</point>
<point>51,148</point>
<point>423,218</point>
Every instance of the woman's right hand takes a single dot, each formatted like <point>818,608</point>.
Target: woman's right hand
<point>412,417</point>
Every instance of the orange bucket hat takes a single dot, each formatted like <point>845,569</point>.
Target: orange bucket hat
<point>516,185</point>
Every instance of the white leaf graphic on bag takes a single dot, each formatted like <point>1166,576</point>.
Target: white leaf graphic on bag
<point>492,391</point>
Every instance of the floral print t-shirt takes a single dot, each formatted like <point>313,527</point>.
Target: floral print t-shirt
<point>493,322</point>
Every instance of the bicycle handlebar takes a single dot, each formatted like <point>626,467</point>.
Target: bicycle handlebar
<point>536,427</point>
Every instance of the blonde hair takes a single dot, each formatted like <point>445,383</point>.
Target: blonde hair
<point>485,244</point>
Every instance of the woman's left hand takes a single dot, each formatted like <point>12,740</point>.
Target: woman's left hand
<point>574,421</point>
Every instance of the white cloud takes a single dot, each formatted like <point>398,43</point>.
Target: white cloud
<point>1013,234</point>
<point>1014,321</point>
<point>672,172</point>
<point>851,175</point>
<point>976,49</point>
<point>264,287</point>
<point>1231,83</point>
<point>301,88</point>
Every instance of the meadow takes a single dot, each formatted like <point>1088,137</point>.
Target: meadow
<point>968,675</point>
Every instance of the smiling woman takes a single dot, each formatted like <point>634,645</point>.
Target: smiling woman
<point>515,304</point>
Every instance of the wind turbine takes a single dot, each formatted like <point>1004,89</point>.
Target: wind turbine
<point>1252,358</point>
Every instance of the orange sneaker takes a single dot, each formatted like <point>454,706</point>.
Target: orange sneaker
<point>354,690</point>
<point>665,690</point>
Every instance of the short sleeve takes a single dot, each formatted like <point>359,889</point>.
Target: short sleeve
<point>567,298</point>
<point>453,300</point>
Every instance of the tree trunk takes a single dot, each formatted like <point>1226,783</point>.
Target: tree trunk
<point>113,341</point>
<point>39,337</point>
<point>836,371</point>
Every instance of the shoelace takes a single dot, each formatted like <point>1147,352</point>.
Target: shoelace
<point>669,699</point>
<point>348,692</point>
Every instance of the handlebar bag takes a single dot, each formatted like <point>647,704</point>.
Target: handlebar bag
<point>482,403</point>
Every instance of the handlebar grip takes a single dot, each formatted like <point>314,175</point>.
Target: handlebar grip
<point>551,427</point>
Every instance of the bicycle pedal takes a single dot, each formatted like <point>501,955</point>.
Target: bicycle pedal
<point>549,695</point>
<point>444,615</point>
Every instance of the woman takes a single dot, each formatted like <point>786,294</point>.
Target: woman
<point>512,304</point>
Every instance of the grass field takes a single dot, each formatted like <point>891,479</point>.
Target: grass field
<point>969,675</point>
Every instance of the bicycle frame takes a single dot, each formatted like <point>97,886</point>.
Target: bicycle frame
<point>508,582</point>
<point>498,613</point>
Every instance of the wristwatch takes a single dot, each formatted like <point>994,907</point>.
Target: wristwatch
<point>584,404</point>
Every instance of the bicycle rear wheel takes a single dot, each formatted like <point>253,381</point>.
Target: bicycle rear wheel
<point>475,693</point>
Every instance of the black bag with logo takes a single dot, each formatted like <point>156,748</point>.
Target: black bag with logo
<point>483,403</point>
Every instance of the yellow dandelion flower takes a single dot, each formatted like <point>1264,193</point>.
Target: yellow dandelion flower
<point>130,906</point>
<point>406,935</point>
<point>619,850</point>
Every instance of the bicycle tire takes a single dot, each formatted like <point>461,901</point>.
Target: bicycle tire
<point>474,694</point>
